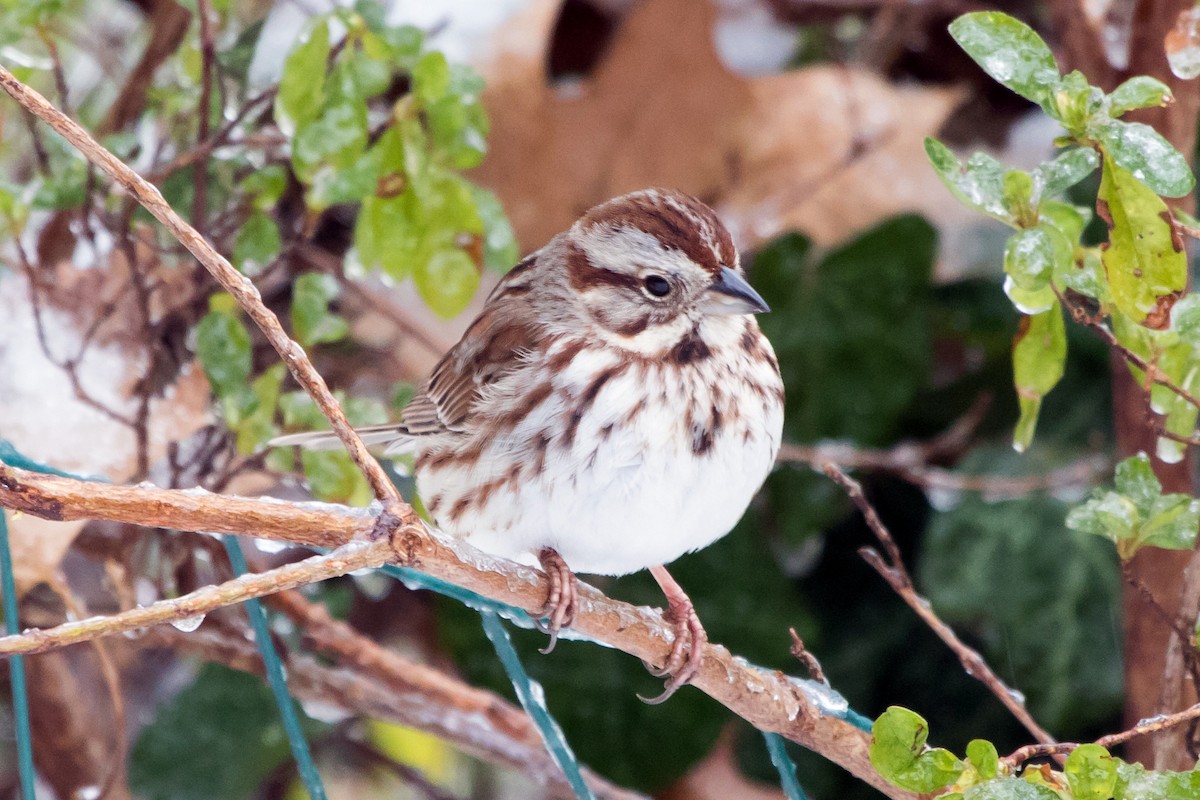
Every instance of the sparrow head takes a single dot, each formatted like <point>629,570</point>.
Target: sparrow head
<point>653,263</point>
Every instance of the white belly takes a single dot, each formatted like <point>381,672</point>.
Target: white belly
<point>630,491</point>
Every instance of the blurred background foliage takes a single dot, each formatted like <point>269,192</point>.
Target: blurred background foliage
<point>373,169</point>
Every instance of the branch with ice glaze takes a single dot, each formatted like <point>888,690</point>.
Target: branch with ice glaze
<point>802,711</point>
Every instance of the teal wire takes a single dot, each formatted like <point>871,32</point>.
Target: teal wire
<point>16,667</point>
<point>533,702</point>
<point>786,767</point>
<point>275,677</point>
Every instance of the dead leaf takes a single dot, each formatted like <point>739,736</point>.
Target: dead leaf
<point>826,150</point>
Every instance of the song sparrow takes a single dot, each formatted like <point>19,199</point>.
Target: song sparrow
<point>613,407</point>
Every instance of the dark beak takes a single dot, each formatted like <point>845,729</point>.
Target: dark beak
<point>730,294</point>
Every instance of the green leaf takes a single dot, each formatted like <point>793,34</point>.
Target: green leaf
<point>265,186</point>
<point>1136,480</point>
<point>336,139</point>
<point>1144,261</point>
<point>1075,103</point>
<point>978,184</point>
<point>1009,51</point>
<point>333,477</point>
<point>500,250</point>
<point>223,347</point>
<point>983,757</point>
<point>387,235</point>
<point>1010,788</point>
<point>1091,772</point>
<point>984,568</point>
<point>1039,356</point>
<point>257,420</point>
<point>447,281</point>
<point>899,753</point>
<point>302,83</point>
<point>1185,319</point>
<point>219,737</point>
<point>257,244</point>
<point>1033,256</point>
<point>851,329</point>
<point>312,320</point>
<point>1135,782</point>
<point>1067,169</point>
<point>1151,159</point>
<point>431,77</point>
<point>1140,91</point>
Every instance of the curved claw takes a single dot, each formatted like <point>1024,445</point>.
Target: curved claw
<point>562,598</point>
<point>687,651</point>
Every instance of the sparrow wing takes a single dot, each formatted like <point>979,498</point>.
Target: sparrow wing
<point>495,344</point>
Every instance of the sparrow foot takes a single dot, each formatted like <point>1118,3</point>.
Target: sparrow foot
<point>687,651</point>
<point>563,598</point>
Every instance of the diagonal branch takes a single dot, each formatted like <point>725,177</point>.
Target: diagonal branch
<point>769,700</point>
<point>233,281</point>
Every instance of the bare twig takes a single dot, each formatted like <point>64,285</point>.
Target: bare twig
<point>1160,723</point>
<point>348,558</point>
<point>236,284</point>
<point>894,572</point>
<point>208,57</point>
<point>805,657</point>
<point>767,699</point>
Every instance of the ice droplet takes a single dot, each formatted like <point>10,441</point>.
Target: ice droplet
<point>188,624</point>
<point>1182,44</point>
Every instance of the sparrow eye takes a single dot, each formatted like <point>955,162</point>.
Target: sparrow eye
<point>657,285</point>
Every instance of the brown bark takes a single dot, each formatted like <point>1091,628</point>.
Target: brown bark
<point>1152,679</point>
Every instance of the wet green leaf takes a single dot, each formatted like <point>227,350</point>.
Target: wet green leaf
<point>1140,91</point>
<point>265,186</point>
<point>1143,260</point>
<point>1039,356</point>
<point>899,753</point>
<point>1135,782</point>
<point>1143,152</point>
<point>1075,103</point>
<point>334,478</point>
<point>257,244</point>
<point>1033,255</point>
<point>1009,51</point>
<point>431,77</point>
<point>1067,169</point>
<point>312,320</point>
<point>1010,788</point>
<point>301,92</point>
<point>256,423</point>
<point>336,139</point>
<point>447,281</point>
<point>978,184</point>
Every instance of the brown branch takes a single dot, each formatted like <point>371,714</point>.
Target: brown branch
<point>208,57</point>
<point>894,572</point>
<point>1160,723</point>
<point>234,282</point>
<point>769,700</point>
<point>361,694</point>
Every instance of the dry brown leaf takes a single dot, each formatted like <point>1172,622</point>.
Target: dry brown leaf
<point>826,150</point>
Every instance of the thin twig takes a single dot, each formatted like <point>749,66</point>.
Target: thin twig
<point>200,168</point>
<point>805,657</point>
<point>234,282</point>
<point>1154,725</point>
<point>894,572</point>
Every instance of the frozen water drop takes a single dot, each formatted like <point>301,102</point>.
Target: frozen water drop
<point>188,624</point>
<point>1182,44</point>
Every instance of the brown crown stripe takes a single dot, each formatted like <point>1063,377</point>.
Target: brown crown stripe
<point>688,229</point>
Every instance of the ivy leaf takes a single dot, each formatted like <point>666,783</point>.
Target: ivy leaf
<point>978,184</point>
<point>1152,160</point>
<point>1039,356</point>
<point>302,85</point>
<point>312,320</point>
<point>257,243</point>
<point>223,347</point>
<point>1140,91</point>
<point>1144,261</point>
<point>447,281</point>
<point>899,753</point>
<point>1009,51</point>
